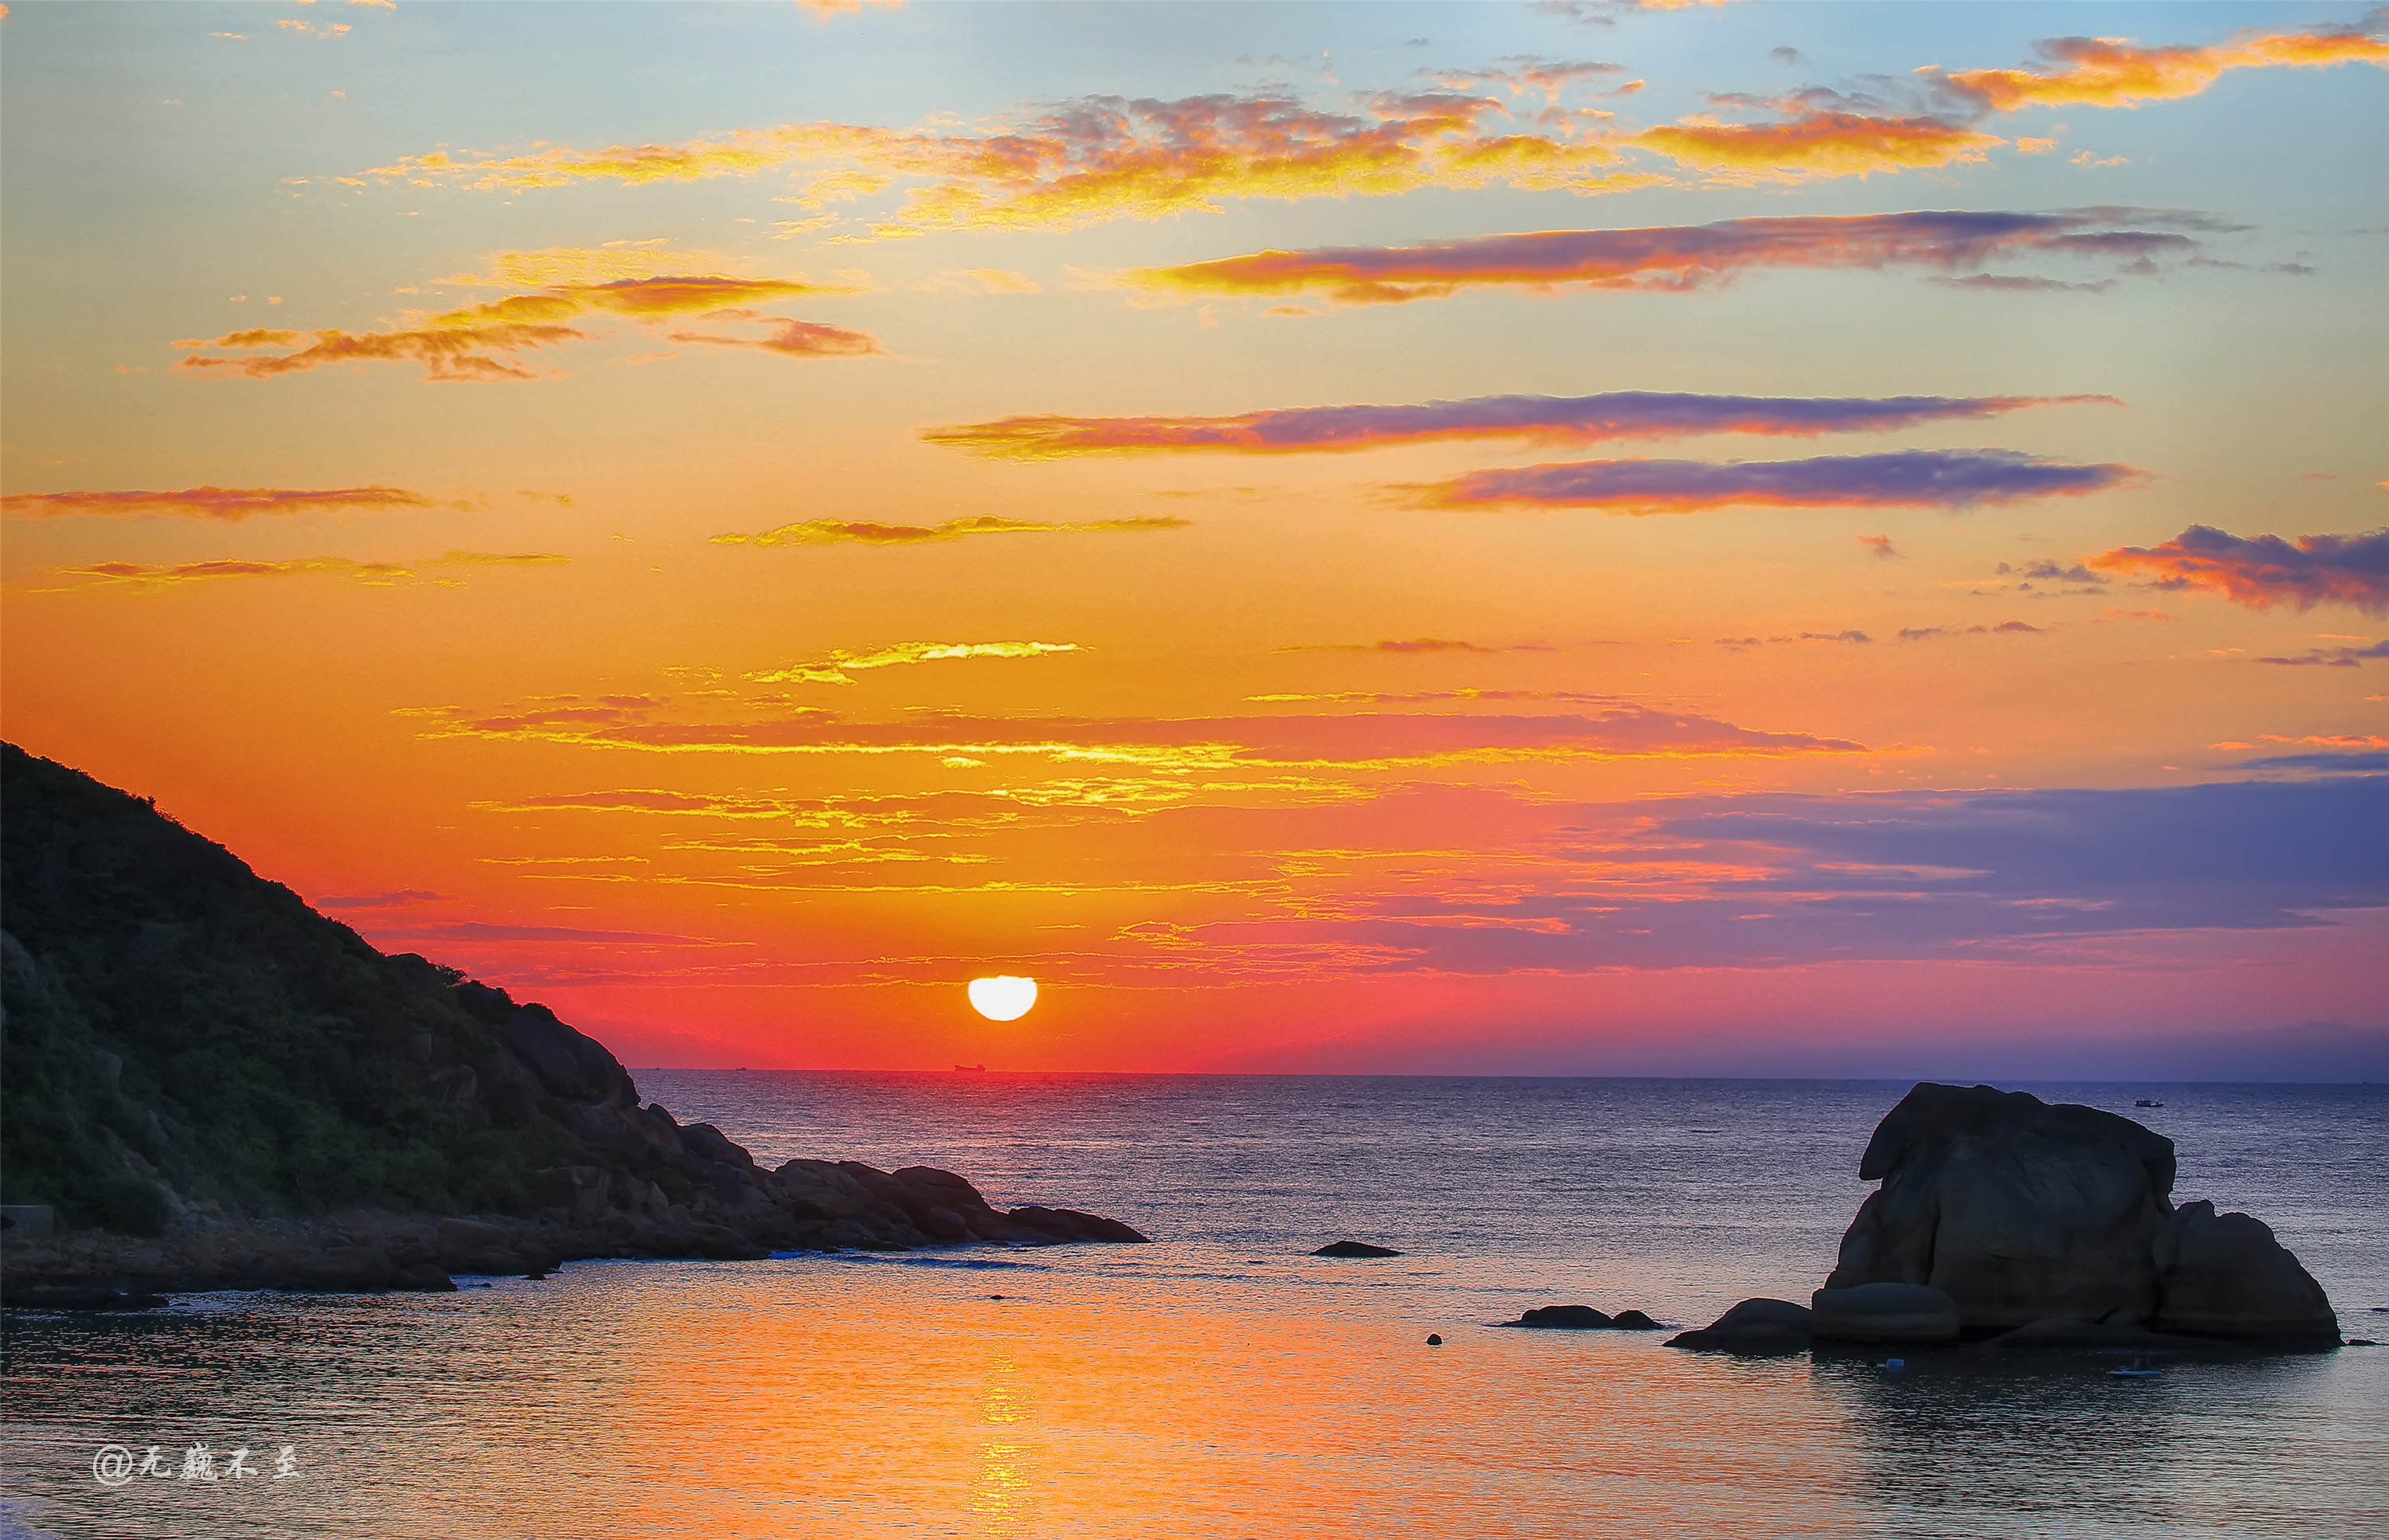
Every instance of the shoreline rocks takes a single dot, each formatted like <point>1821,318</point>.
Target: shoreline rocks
<point>804,1206</point>
<point>1581,1317</point>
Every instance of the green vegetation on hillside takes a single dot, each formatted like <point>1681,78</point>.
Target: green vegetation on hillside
<point>166,1008</point>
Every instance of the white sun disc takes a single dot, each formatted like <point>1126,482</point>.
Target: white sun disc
<point>1005,999</point>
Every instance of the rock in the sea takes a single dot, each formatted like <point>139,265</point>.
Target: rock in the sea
<point>1633,1320</point>
<point>2223,1275</point>
<point>1353,1248</point>
<point>1566,1317</point>
<point>1754,1326</point>
<point>2024,1211</point>
<point>1909,1313</point>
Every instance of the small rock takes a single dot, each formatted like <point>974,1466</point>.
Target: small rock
<point>1353,1248</point>
<point>1566,1318</point>
<point>1633,1320</point>
<point>1754,1326</point>
<point>1433,1340</point>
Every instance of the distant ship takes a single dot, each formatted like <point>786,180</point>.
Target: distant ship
<point>970,1069</point>
<point>2143,1102</point>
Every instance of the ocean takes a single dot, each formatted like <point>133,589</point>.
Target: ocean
<point>1222,1382</point>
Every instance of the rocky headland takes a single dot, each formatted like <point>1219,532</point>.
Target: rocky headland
<point>2009,1222</point>
<point>210,1085</point>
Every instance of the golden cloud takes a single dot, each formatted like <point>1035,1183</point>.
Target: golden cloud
<point>228,503</point>
<point>486,342</point>
<point>830,532</point>
<point>378,574</point>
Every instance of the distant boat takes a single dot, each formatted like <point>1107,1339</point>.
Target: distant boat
<point>2139,1371</point>
<point>970,1069</point>
<point>2148,1101</point>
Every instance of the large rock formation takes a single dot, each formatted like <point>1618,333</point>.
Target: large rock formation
<point>210,1084</point>
<point>2020,1212</point>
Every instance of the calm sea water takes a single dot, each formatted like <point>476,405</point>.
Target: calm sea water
<point>1222,1383</point>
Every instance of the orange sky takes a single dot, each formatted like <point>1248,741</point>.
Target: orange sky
<point>1720,538</point>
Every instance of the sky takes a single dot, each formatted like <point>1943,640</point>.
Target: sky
<point>1579,538</point>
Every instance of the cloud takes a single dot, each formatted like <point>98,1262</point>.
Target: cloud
<point>1534,419</point>
<point>823,10</point>
<point>1927,633</point>
<point>1743,643</point>
<point>2367,762</point>
<point>1907,478</point>
<point>378,574</point>
<point>1819,133</point>
<point>475,929</point>
<point>1817,143</point>
<point>2330,658</point>
<point>227,504</point>
<point>1418,644</point>
<point>1366,740</point>
<point>1523,72</point>
<point>1678,259</point>
<point>1096,159</point>
<point>1877,546</point>
<point>1372,697</point>
<point>2111,71</point>
<point>380,900</point>
<point>1778,880</point>
<point>2260,571</point>
<point>487,342</point>
<point>796,340</point>
<point>2006,283</point>
<point>830,532</point>
<point>841,664</point>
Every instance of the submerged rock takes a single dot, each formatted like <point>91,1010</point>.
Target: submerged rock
<point>1754,1326</point>
<point>2022,1211</point>
<point>1353,1248</point>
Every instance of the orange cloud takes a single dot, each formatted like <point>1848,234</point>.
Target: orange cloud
<point>227,504</point>
<point>1364,740</point>
<point>1097,158</point>
<point>797,340</point>
<point>830,532</point>
<point>1819,135</point>
<point>139,575</point>
<point>1417,644</point>
<point>1815,143</point>
<point>2114,72</point>
<point>486,342</point>
<point>2260,571</point>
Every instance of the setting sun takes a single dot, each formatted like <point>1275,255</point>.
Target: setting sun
<point>1004,998</point>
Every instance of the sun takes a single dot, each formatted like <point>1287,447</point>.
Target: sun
<point>1004,998</point>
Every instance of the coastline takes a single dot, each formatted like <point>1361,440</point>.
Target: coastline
<point>804,1206</point>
